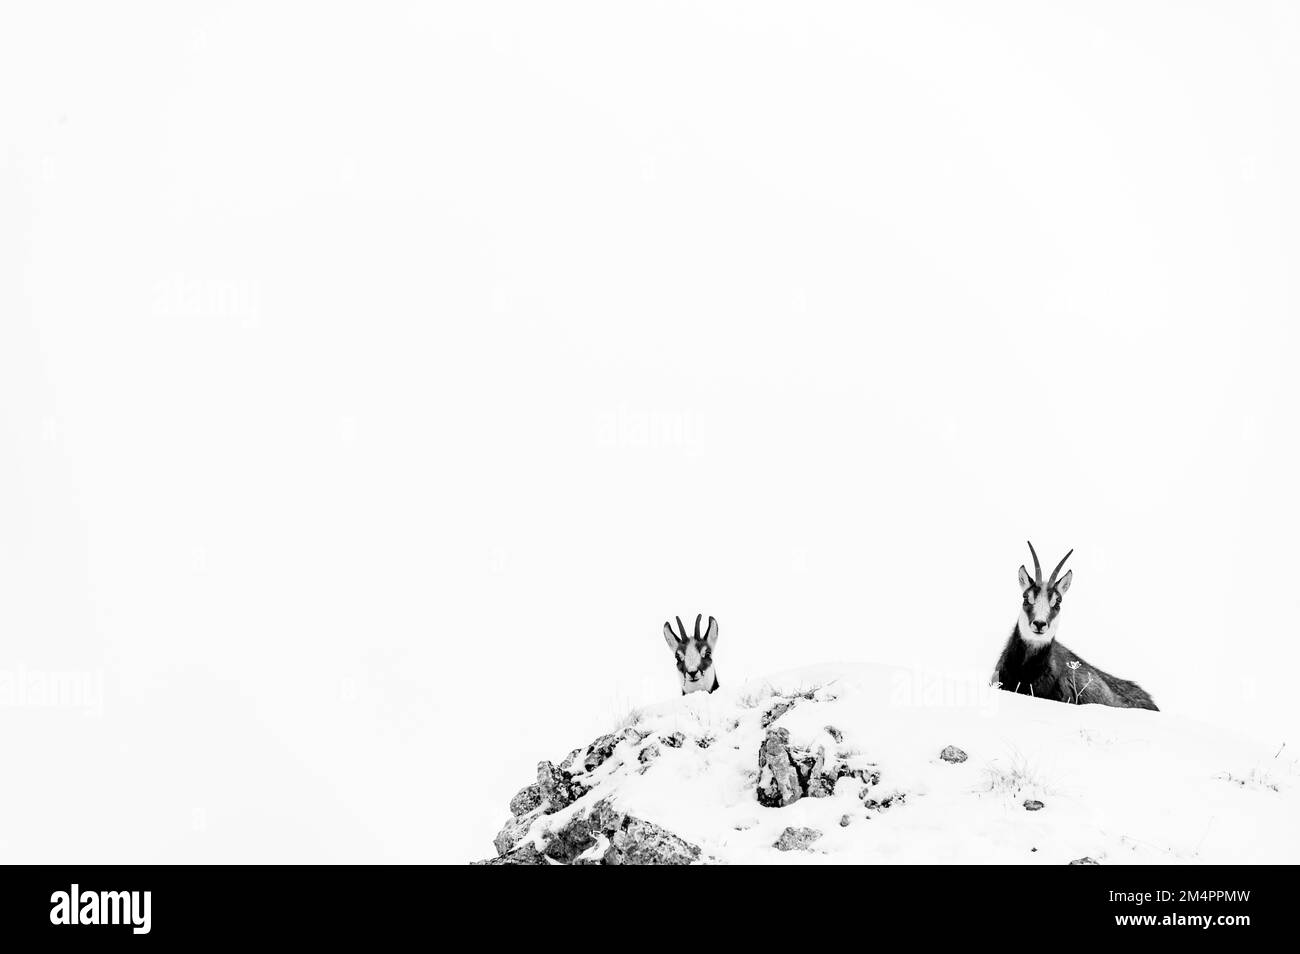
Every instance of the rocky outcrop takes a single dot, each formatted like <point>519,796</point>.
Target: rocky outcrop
<point>952,754</point>
<point>557,787</point>
<point>778,779</point>
<point>599,834</point>
<point>604,835</point>
<point>515,830</point>
<point>526,855</point>
<point>1032,804</point>
<point>796,839</point>
<point>527,798</point>
<point>776,710</point>
<point>600,750</point>
<point>787,773</point>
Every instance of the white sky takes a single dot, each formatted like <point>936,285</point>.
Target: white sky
<point>375,382</point>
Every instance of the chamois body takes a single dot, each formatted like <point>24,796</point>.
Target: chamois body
<point>1034,663</point>
<point>1044,670</point>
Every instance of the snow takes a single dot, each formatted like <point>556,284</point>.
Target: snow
<point>1121,786</point>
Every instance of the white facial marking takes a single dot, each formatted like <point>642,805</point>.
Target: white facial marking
<point>1039,610</point>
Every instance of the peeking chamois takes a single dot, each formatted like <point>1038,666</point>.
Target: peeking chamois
<point>694,655</point>
<point>1034,663</point>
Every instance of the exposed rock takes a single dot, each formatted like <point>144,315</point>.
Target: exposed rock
<point>599,751</point>
<point>796,839</point>
<point>869,776</point>
<point>846,821</point>
<point>952,754</point>
<point>567,764</point>
<point>515,829</point>
<point>525,800</point>
<point>776,710</point>
<point>567,842</point>
<point>835,733</point>
<point>814,774</point>
<point>674,741</point>
<point>778,779</point>
<point>526,855</point>
<point>605,817</point>
<point>557,787</point>
<point>1032,804</point>
<point>648,754</point>
<point>1085,860</point>
<point>816,780</point>
<point>601,835</point>
<point>640,842</point>
<point>885,803</point>
<point>635,841</point>
<point>595,854</point>
<point>704,741</point>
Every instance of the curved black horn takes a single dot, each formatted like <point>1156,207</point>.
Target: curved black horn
<point>698,617</point>
<point>1038,570</point>
<point>682,628</point>
<point>1052,582</point>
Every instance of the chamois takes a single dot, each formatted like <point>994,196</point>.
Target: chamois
<point>694,655</point>
<point>1034,663</point>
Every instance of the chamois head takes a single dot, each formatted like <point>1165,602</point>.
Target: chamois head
<point>694,655</point>
<point>1040,606</point>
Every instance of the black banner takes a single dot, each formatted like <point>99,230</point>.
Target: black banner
<point>138,905</point>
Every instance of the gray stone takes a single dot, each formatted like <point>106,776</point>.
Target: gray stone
<point>1032,804</point>
<point>846,821</point>
<point>526,855</point>
<point>631,840</point>
<point>599,751</point>
<point>673,741</point>
<point>648,754</point>
<point>569,760</point>
<point>644,843</point>
<point>566,843</point>
<point>557,787</point>
<point>776,710</point>
<point>796,839</point>
<point>778,778</point>
<point>1085,860</point>
<point>515,829</point>
<point>819,781</point>
<point>835,733</point>
<point>525,800</point>
<point>952,754</point>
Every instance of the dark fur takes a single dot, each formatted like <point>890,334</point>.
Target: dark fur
<point>1044,672</point>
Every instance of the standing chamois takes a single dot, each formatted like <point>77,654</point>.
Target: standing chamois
<point>1034,663</point>
<point>694,655</point>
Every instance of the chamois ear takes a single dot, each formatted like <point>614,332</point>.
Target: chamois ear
<point>711,634</point>
<point>1063,583</point>
<point>670,637</point>
<point>1026,581</point>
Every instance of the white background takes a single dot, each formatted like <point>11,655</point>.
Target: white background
<point>375,380</point>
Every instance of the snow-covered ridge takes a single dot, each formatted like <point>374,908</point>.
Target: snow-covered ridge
<point>873,764</point>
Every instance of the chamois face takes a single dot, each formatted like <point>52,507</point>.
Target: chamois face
<point>694,655</point>
<point>1040,605</point>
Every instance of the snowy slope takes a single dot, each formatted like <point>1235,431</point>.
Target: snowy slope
<point>1116,786</point>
